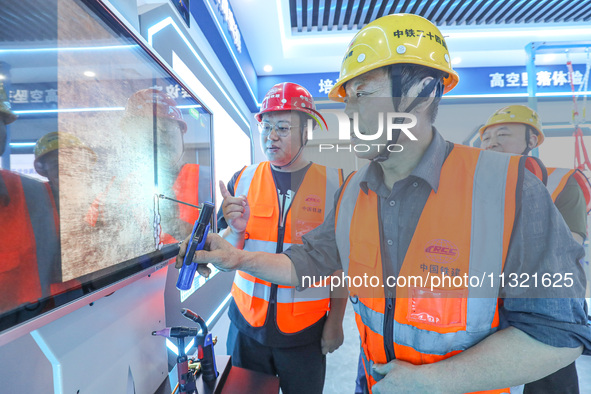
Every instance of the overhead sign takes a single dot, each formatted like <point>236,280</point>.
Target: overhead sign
<point>512,80</point>
<point>33,96</point>
<point>473,81</point>
<point>44,96</point>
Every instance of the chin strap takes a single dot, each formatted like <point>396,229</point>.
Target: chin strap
<point>396,78</point>
<point>527,148</point>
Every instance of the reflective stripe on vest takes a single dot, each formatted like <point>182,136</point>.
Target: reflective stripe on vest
<point>368,365</point>
<point>295,310</point>
<point>423,331</point>
<point>431,342</point>
<point>285,294</point>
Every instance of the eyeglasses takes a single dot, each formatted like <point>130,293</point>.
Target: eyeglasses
<point>283,128</point>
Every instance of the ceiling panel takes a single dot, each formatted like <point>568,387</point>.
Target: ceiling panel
<point>351,15</point>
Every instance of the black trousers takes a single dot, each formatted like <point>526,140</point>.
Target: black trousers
<point>563,381</point>
<point>300,369</point>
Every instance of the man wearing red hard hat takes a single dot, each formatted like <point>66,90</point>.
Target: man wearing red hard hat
<point>267,207</point>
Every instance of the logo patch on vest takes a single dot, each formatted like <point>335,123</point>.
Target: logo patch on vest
<point>441,251</point>
<point>424,317</point>
<point>313,200</point>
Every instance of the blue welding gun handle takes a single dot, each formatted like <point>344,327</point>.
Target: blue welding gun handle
<point>206,356</point>
<point>187,272</point>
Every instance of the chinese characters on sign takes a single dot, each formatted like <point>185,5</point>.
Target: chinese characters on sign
<point>174,91</point>
<point>228,15</point>
<point>544,78</point>
<point>325,85</point>
<point>40,97</point>
<point>32,96</point>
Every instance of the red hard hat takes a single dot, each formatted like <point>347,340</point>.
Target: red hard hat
<point>152,102</point>
<point>288,96</point>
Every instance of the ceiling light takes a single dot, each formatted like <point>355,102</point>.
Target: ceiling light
<point>2,77</point>
<point>90,74</point>
<point>268,68</point>
<point>456,60</point>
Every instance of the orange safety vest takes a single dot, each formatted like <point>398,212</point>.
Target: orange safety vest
<point>29,242</point>
<point>557,178</point>
<point>465,228</point>
<point>186,189</point>
<point>313,200</point>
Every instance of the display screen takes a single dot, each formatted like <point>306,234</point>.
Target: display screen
<point>106,164</point>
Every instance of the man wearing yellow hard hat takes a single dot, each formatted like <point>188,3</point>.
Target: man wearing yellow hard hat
<point>76,157</point>
<point>421,212</point>
<point>517,129</point>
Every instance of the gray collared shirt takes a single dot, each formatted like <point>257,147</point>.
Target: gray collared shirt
<point>541,242</point>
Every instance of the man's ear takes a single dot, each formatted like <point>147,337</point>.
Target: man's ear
<point>40,168</point>
<point>305,134</point>
<point>533,140</point>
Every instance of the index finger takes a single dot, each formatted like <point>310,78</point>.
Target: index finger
<point>182,251</point>
<point>224,190</point>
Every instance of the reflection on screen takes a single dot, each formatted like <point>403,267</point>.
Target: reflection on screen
<point>120,152</point>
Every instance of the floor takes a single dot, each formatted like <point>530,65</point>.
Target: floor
<point>341,365</point>
<point>584,372</point>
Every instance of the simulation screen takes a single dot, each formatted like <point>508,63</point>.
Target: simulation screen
<point>105,157</point>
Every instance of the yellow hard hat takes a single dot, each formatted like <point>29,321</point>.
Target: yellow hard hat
<point>395,39</point>
<point>6,113</point>
<point>516,114</point>
<point>54,141</point>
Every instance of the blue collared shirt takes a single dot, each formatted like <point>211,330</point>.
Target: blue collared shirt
<point>541,242</point>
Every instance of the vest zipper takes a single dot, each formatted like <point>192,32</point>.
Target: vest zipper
<point>279,249</point>
<point>274,287</point>
<point>389,330</point>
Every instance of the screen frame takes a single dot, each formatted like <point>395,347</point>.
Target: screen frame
<point>158,259</point>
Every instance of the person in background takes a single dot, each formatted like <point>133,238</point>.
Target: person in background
<point>152,118</point>
<point>517,129</point>
<point>77,161</point>
<point>29,241</point>
<point>267,207</point>
<point>76,156</point>
<point>422,211</point>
